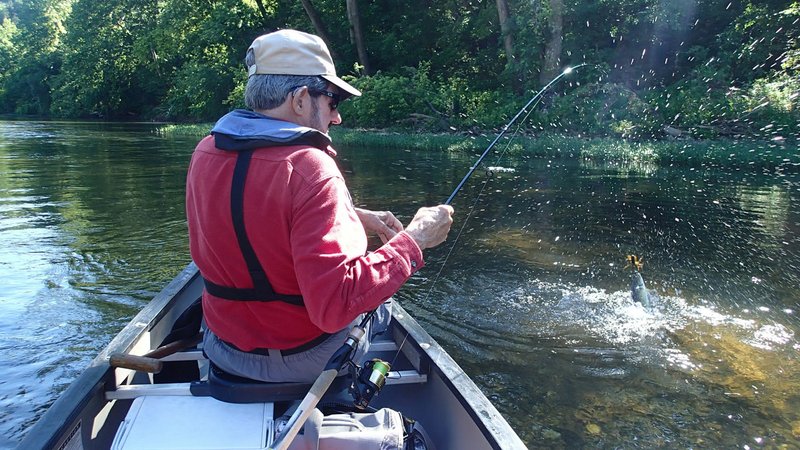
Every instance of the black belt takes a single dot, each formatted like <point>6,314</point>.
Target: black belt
<point>285,352</point>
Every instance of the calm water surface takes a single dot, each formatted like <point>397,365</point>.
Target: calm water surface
<point>530,296</point>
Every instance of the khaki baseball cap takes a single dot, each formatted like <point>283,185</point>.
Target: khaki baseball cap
<point>292,52</point>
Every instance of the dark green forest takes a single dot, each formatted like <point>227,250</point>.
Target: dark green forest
<point>700,68</point>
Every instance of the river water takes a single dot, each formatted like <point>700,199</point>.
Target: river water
<point>529,294</point>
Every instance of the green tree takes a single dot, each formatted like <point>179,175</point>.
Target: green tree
<point>31,33</point>
<point>201,48</point>
<point>102,74</point>
<point>743,82</point>
<point>711,66</point>
<point>8,29</point>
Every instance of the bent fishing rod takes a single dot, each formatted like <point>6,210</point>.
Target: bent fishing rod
<point>472,169</point>
<point>505,128</point>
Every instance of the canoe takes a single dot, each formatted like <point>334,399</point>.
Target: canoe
<point>111,407</point>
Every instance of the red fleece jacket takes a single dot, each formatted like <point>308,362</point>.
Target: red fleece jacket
<point>302,224</point>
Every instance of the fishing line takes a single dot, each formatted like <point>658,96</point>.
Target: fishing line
<point>452,247</point>
<point>472,207</point>
<point>530,104</point>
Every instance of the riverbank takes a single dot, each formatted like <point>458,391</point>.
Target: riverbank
<point>779,154</point>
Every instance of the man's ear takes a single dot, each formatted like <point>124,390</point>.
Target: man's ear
<point>299,100</point>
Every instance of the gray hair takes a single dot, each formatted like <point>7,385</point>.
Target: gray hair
<point>270,91</point>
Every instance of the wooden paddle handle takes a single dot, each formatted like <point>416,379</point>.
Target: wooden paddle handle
<point>150,362</point>
<point>140,363</point>
<point>174,347</point>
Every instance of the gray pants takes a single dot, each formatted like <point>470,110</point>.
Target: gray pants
<point>301,367</point>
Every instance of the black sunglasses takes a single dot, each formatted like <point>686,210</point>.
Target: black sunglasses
<point>335,98</point>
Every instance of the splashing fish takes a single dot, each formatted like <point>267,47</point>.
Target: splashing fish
<point>638,290</point>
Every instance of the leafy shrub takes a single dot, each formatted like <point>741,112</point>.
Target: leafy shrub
<point>767,106</point>
<point>601,110</point>
<point>771,106</point>
<point>415,101</point>
<point>387,102</point>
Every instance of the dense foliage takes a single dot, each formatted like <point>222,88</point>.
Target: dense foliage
<point>683,67</point>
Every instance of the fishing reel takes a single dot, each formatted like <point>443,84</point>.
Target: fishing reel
<point>367,381</point>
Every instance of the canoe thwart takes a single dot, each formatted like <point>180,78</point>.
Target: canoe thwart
<point>253,392</point>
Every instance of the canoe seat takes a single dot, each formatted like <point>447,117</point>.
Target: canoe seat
<point>235,389</point>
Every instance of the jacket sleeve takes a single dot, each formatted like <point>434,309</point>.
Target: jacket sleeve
<point>337,278</point>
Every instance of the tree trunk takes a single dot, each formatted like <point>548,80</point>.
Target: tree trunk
<point>356,35</point>
<point>505,29</point>
<point>552,51</point>
<point>508,44</point>
<point>313,15</point>
<point>263,10</point>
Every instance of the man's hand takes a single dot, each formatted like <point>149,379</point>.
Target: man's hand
<point>382,223</point>
<point>430,225</point>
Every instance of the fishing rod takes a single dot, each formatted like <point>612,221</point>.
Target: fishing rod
<point>505,128</point>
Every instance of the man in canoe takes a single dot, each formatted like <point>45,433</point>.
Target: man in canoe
<point>272,227</point>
